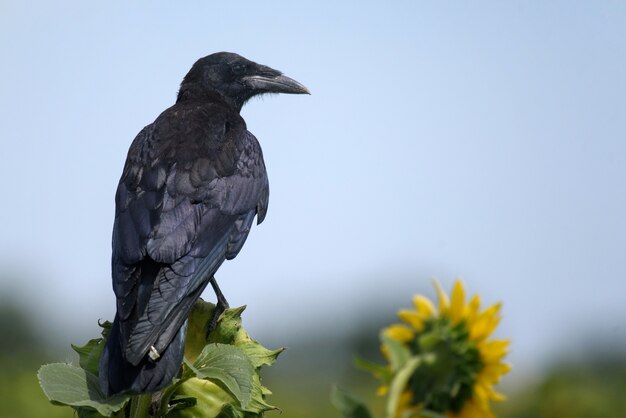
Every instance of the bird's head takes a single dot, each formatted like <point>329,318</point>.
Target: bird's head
<point>235,79</point>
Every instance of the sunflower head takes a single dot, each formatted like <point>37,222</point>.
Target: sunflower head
<point>441,359</point>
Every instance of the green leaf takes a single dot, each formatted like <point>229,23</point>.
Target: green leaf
<point>210,399</point>
<point>258,405</point>
<point>348,404</point>
<point>229,411</point>
<point>65,384</point>
<point>229,366</point>
<point>228,327</point>
<point>259,355</point>
<point>89,355</point>
<point>399,354</point>
<point>378,370</point>
<point>84,412</point>
<point>215,392</point>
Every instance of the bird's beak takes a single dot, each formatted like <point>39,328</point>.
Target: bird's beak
<point>277,84</point>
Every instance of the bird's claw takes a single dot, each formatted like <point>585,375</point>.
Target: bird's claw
<point>217,313</point>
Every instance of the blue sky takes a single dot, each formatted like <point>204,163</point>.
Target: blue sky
<point>479,140</point>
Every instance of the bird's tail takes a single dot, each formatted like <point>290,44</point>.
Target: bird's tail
<point>118,375</point>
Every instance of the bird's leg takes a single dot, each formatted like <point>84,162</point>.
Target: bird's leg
<point>155,404</point>
<point>220,307</point>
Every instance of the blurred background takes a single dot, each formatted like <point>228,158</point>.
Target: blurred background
<point>483,140</point>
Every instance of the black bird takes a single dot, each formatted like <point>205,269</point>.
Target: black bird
<point>193,182</point>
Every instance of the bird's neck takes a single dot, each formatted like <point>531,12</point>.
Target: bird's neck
<point>191,92</point>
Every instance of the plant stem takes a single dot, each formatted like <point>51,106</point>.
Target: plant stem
<point>140,406</point>
<point>399,383</point>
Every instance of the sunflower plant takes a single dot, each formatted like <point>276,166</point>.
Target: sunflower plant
<point>219,377</point>
<point>441,361</point>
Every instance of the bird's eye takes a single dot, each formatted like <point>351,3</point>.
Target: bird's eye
<point>239,69</point>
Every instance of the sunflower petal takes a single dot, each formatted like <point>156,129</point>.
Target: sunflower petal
<point>472,309</point>
<point>471,409</point>
<point>444,303</point>
<point>480,396</point>
<point>458,301</point>
<point>493,351</point>
<point>494,395</point>
<point>492,373</point>
<point>486,322</point>
<point>399,333</point>
<point>412,318</point>
<point>424,306</point>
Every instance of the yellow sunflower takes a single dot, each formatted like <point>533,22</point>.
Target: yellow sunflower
<point>464,363</point>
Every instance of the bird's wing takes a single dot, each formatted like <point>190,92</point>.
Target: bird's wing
<point>182,209</point>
